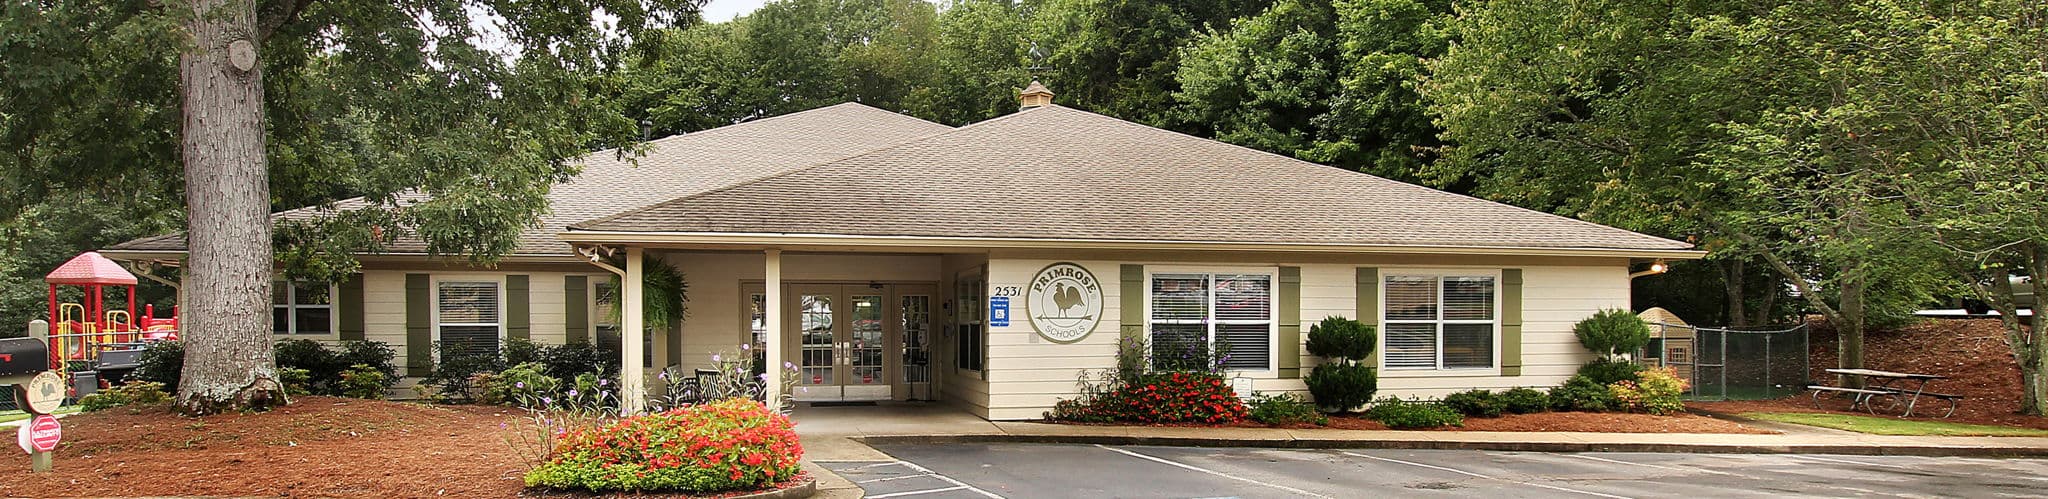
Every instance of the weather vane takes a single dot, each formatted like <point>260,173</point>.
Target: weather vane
<point>1037,58</point>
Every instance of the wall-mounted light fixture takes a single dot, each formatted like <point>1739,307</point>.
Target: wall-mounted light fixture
<point>1657,267</point>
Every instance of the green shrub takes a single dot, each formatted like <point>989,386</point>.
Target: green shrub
<point>296,381</point>
<point>1341,338</point>
<point>375,355</point>
<point>1476,403</point>
<point>1342,387</point>
<point>1403,415</point>
<point>363,381</point>
<point>522,385</point>
<point>574,358</point>
<point>1523,400</point>
<point>1655,391</point>
<point>1172,397</point>
<point>455,369</point>
<point>1612,332</point>
<point>731,444</point>
<point>1608,371</point>
<point>1581,393</point>
<point>521,350</point>
<point>161,363</point>
<point>1285,409</point>
<point>133,393</point>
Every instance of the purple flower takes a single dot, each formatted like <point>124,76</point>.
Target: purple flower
<point>605,382</point>
<point>746,346</point>
<point>715,358</point>
<point>663,375</point>
<point>547,401</point>
<point>789,365</point>
<point>572,392</point>
<point>520,385</point>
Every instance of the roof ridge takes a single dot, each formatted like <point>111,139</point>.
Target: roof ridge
<point>1421,188</point>
<point>812,166</point>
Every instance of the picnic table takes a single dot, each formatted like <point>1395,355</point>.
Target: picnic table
<point>1881,386</point>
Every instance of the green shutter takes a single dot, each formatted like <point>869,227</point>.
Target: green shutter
<point>1369,307</point>
<point>1132,302</point>
<point>419,325</point>
<point>1290,322</point>
<point>518,307</point>
<point>351,304</point>
<point>576,309</point>
<point>1511,322</point>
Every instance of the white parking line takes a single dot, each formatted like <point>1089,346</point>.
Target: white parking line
<point>1647,465</point>
<point>1212,472</point>
<point>896,478</point>
<point>1476,475</point>
<point>919,492</point>
<point>934,474</point>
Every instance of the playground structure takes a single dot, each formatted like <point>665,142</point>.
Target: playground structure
<point>88,336</point>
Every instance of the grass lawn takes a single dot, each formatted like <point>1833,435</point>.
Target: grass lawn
<point>1894,426</point>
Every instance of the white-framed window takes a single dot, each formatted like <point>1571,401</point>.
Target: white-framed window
<point>301,308</point>
<point>610,336</point>
<point>1195,314</point>
<point>467,316</point>
<point>971,293</point>
<point>1440,321</point>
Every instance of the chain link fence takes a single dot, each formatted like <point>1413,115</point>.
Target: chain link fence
<point>1732,363</point>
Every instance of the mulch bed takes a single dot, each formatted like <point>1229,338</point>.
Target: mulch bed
<point>316,447</point>
<point>1582,422</point>
<point>1973,353</point>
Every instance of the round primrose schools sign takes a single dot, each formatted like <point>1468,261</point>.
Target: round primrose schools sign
<point>1064,302</point>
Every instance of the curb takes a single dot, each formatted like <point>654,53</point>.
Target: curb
<point>1300,443</point>
<point>801,491</point>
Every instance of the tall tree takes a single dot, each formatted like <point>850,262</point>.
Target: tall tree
<point>1118,57</point>
<point>439,116</point>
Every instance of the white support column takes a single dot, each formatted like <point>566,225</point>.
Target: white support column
<point>772,295</point>
<point>632,378</point>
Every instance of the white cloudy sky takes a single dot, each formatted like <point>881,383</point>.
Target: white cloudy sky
<point>725,10</point>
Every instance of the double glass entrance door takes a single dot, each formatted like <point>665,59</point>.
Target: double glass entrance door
<point>850,340</point>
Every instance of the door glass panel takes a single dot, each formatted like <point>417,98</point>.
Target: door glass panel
<point>814,315</point>
<point>864,354</point>
<point>917,321</point>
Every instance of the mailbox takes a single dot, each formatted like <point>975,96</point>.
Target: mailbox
<point>22,357</point>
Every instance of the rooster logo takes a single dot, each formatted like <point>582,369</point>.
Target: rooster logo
<point>1065,301</point>
<point>1067,297</point>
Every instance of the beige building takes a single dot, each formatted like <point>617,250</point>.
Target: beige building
<point>989,266</point>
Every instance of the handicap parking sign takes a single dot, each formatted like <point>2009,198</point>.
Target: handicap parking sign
<point>999,311</point>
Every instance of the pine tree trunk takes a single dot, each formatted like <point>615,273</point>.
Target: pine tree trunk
<point>228,360</point>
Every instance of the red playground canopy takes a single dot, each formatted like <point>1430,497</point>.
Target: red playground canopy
<point>90,268</point>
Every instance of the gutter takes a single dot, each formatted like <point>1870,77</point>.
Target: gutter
<point>778,240</point>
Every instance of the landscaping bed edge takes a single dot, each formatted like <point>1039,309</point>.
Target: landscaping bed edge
<point>1317,443</point>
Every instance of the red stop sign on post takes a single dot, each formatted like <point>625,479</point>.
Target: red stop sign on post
<point>41,434</point>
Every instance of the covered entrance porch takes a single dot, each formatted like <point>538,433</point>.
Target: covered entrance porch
<point>845,325</point>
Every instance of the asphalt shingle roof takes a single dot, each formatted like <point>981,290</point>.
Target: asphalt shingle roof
<point>1059,173</point>
<point>675,166</point>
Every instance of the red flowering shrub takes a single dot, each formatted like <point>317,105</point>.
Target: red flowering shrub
<point>727,445</point>
<point>1176,397</point>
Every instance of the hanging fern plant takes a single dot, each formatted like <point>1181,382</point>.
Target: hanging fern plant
<point>662,297</point>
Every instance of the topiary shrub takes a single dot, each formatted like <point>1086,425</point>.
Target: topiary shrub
<point>1654,391</point>
<point>161,362</point>
<point>1406,415</point>
<point>1581,393</point>
<point>1342,387</point>
<point>1523,400</point>
<point>1341,383</point>
<point>1285,409</point>
<point>1341,338</point>
<point>1612,333</point>
<point>1476,403</point>
<point>732,444</point>
<point>1608,371</point>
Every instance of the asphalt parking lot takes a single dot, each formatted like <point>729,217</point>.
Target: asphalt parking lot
<point>1069,471</point>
